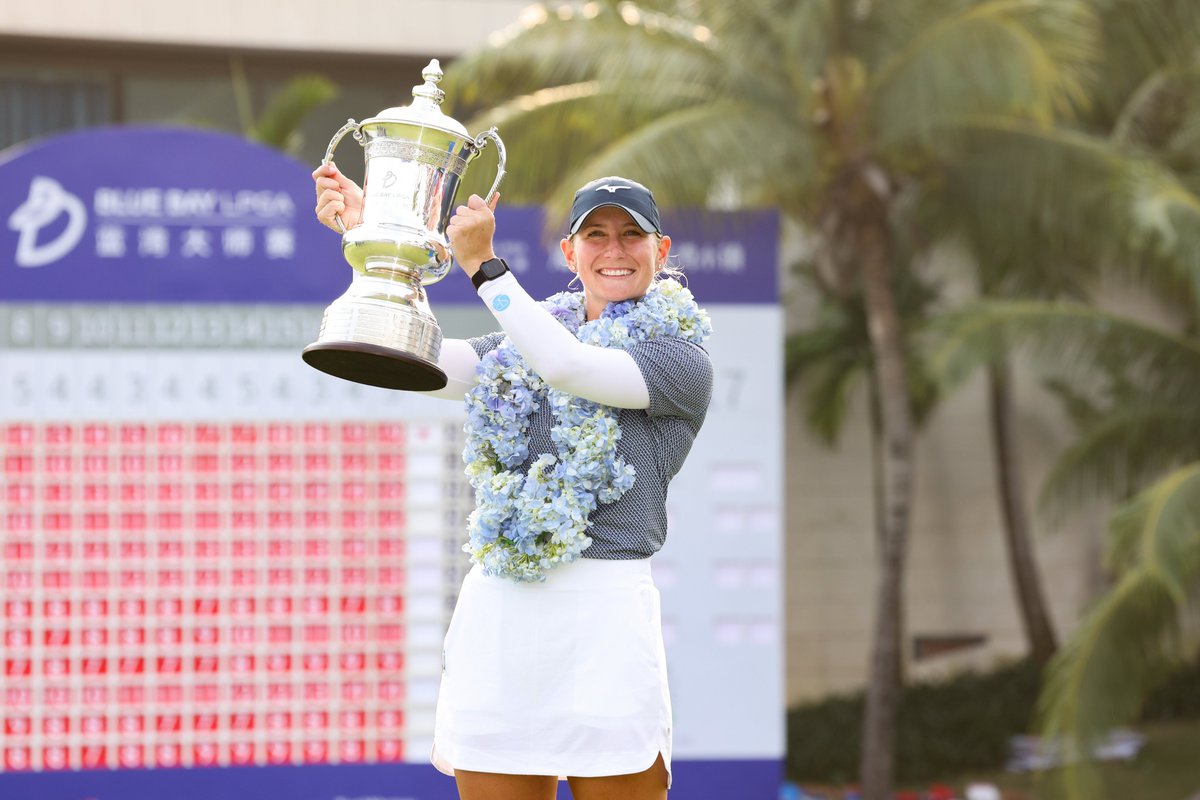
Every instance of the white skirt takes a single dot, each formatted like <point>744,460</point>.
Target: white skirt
<point>566,677</point>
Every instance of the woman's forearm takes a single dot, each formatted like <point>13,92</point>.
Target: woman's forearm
<point>603,375</point>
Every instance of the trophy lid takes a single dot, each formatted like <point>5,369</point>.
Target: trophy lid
<point>426,107</point>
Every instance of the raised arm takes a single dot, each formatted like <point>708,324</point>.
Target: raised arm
<point>600,374</point>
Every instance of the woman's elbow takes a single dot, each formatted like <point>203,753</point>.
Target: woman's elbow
<point>562,374</point>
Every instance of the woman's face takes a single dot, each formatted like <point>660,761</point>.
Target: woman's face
<point>615,259</point>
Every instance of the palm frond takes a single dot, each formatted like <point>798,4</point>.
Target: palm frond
<point>278,125</point>
<point>790,39</point>
<point>1163,225</point>
<point>805,29</point>
<point>1161,526</point>
<point>1137,632</point>
<point>1122,451</point>
<point>1158,107</point>
<point>1075,204</point>
<point>833,357</point>
<point>648,94</point>
<point>1082,409</point>
<point>683,154</point>
<point>1007,57</point>
<point>1182,150</point>
<point>549,131</point>
<point>618,43</point>
<point>617,97</point>
<point>835,334</point>
<point>1140,38</point>
<point>1080,344</point>
<point>1056,188</point>
<point>829,387</point>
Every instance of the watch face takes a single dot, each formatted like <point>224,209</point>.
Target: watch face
<point>489,270</point>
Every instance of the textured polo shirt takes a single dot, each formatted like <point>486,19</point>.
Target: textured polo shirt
<point>655,441</point>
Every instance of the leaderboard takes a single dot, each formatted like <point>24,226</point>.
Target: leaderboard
<point>219,586</point>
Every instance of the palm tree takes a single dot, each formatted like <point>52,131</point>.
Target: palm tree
<point>1062,186</point>
<point>831,359</point>
<point>1130,387</point>
<point>1133,389</point>
<point>840,113</point>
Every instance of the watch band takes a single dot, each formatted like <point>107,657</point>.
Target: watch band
<point>489,270</point>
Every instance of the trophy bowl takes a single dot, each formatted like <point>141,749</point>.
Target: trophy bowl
<point>381,331</point>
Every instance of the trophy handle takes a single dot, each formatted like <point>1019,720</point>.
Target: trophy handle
<point>480,142</point>
<point>350,125</point>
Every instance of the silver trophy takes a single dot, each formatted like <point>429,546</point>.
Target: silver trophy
<point>381,331</point>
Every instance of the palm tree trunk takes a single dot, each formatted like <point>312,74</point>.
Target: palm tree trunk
<point>1039,631</point>
<point>879,498</point>
<point>872,246</point>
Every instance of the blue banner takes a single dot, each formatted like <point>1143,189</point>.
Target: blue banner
<point>691,780</point>
<point>176,215</point>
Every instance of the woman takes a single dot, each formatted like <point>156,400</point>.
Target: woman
<point>580,411</point>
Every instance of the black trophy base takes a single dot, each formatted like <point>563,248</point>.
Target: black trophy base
<point>373,365</point>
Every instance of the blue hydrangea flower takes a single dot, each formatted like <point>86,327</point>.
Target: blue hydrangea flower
<point>527,523</point>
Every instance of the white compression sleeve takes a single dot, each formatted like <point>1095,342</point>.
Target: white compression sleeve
<point>602,374</point>
<point>458,361</point>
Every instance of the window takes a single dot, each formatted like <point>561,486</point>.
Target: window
<point>38,105</point>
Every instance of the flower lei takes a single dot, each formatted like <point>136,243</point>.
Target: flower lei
<point>526,523</point>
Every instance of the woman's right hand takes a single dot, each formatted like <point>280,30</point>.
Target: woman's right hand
<point>337,195</point>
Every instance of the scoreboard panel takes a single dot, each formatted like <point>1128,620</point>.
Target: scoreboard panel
<point>223,572</point>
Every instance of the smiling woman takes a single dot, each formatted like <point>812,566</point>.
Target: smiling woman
<point>616,246</point>
<point>579,413</point>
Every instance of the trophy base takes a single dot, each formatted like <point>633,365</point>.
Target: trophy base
<point>374,365</point>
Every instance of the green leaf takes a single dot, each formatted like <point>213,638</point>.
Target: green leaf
<point>1003,57</point>
<point>1130,641</point>
<point>1078,342</point>
<point>1121,451</point>
<point>277,126</point>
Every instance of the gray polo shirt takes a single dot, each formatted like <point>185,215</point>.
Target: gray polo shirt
<point>655,441</point>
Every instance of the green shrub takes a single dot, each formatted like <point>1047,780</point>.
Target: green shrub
<point>943,728</point>
<point>949,727</point>
<point>1178,698</point>
<point>823,740</point>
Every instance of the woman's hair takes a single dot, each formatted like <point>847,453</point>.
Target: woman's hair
<point>669,270</point>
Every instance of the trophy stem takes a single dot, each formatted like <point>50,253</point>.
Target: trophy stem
<point>380,333</point>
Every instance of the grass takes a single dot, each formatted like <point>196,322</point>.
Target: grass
<point>1167,768</point>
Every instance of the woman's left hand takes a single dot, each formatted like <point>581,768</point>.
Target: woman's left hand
<point>470,232</point>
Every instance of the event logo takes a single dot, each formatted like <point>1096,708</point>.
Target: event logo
<point>46,203</point>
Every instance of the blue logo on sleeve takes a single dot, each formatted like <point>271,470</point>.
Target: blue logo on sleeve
<point>501,302</point>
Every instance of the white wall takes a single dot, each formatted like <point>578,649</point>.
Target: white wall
<point>388,27</point>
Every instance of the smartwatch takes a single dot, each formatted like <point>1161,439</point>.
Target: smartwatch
<point>488,271</point>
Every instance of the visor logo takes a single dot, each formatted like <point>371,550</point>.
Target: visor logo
<point>47,201</point>
<point>611,188</point>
